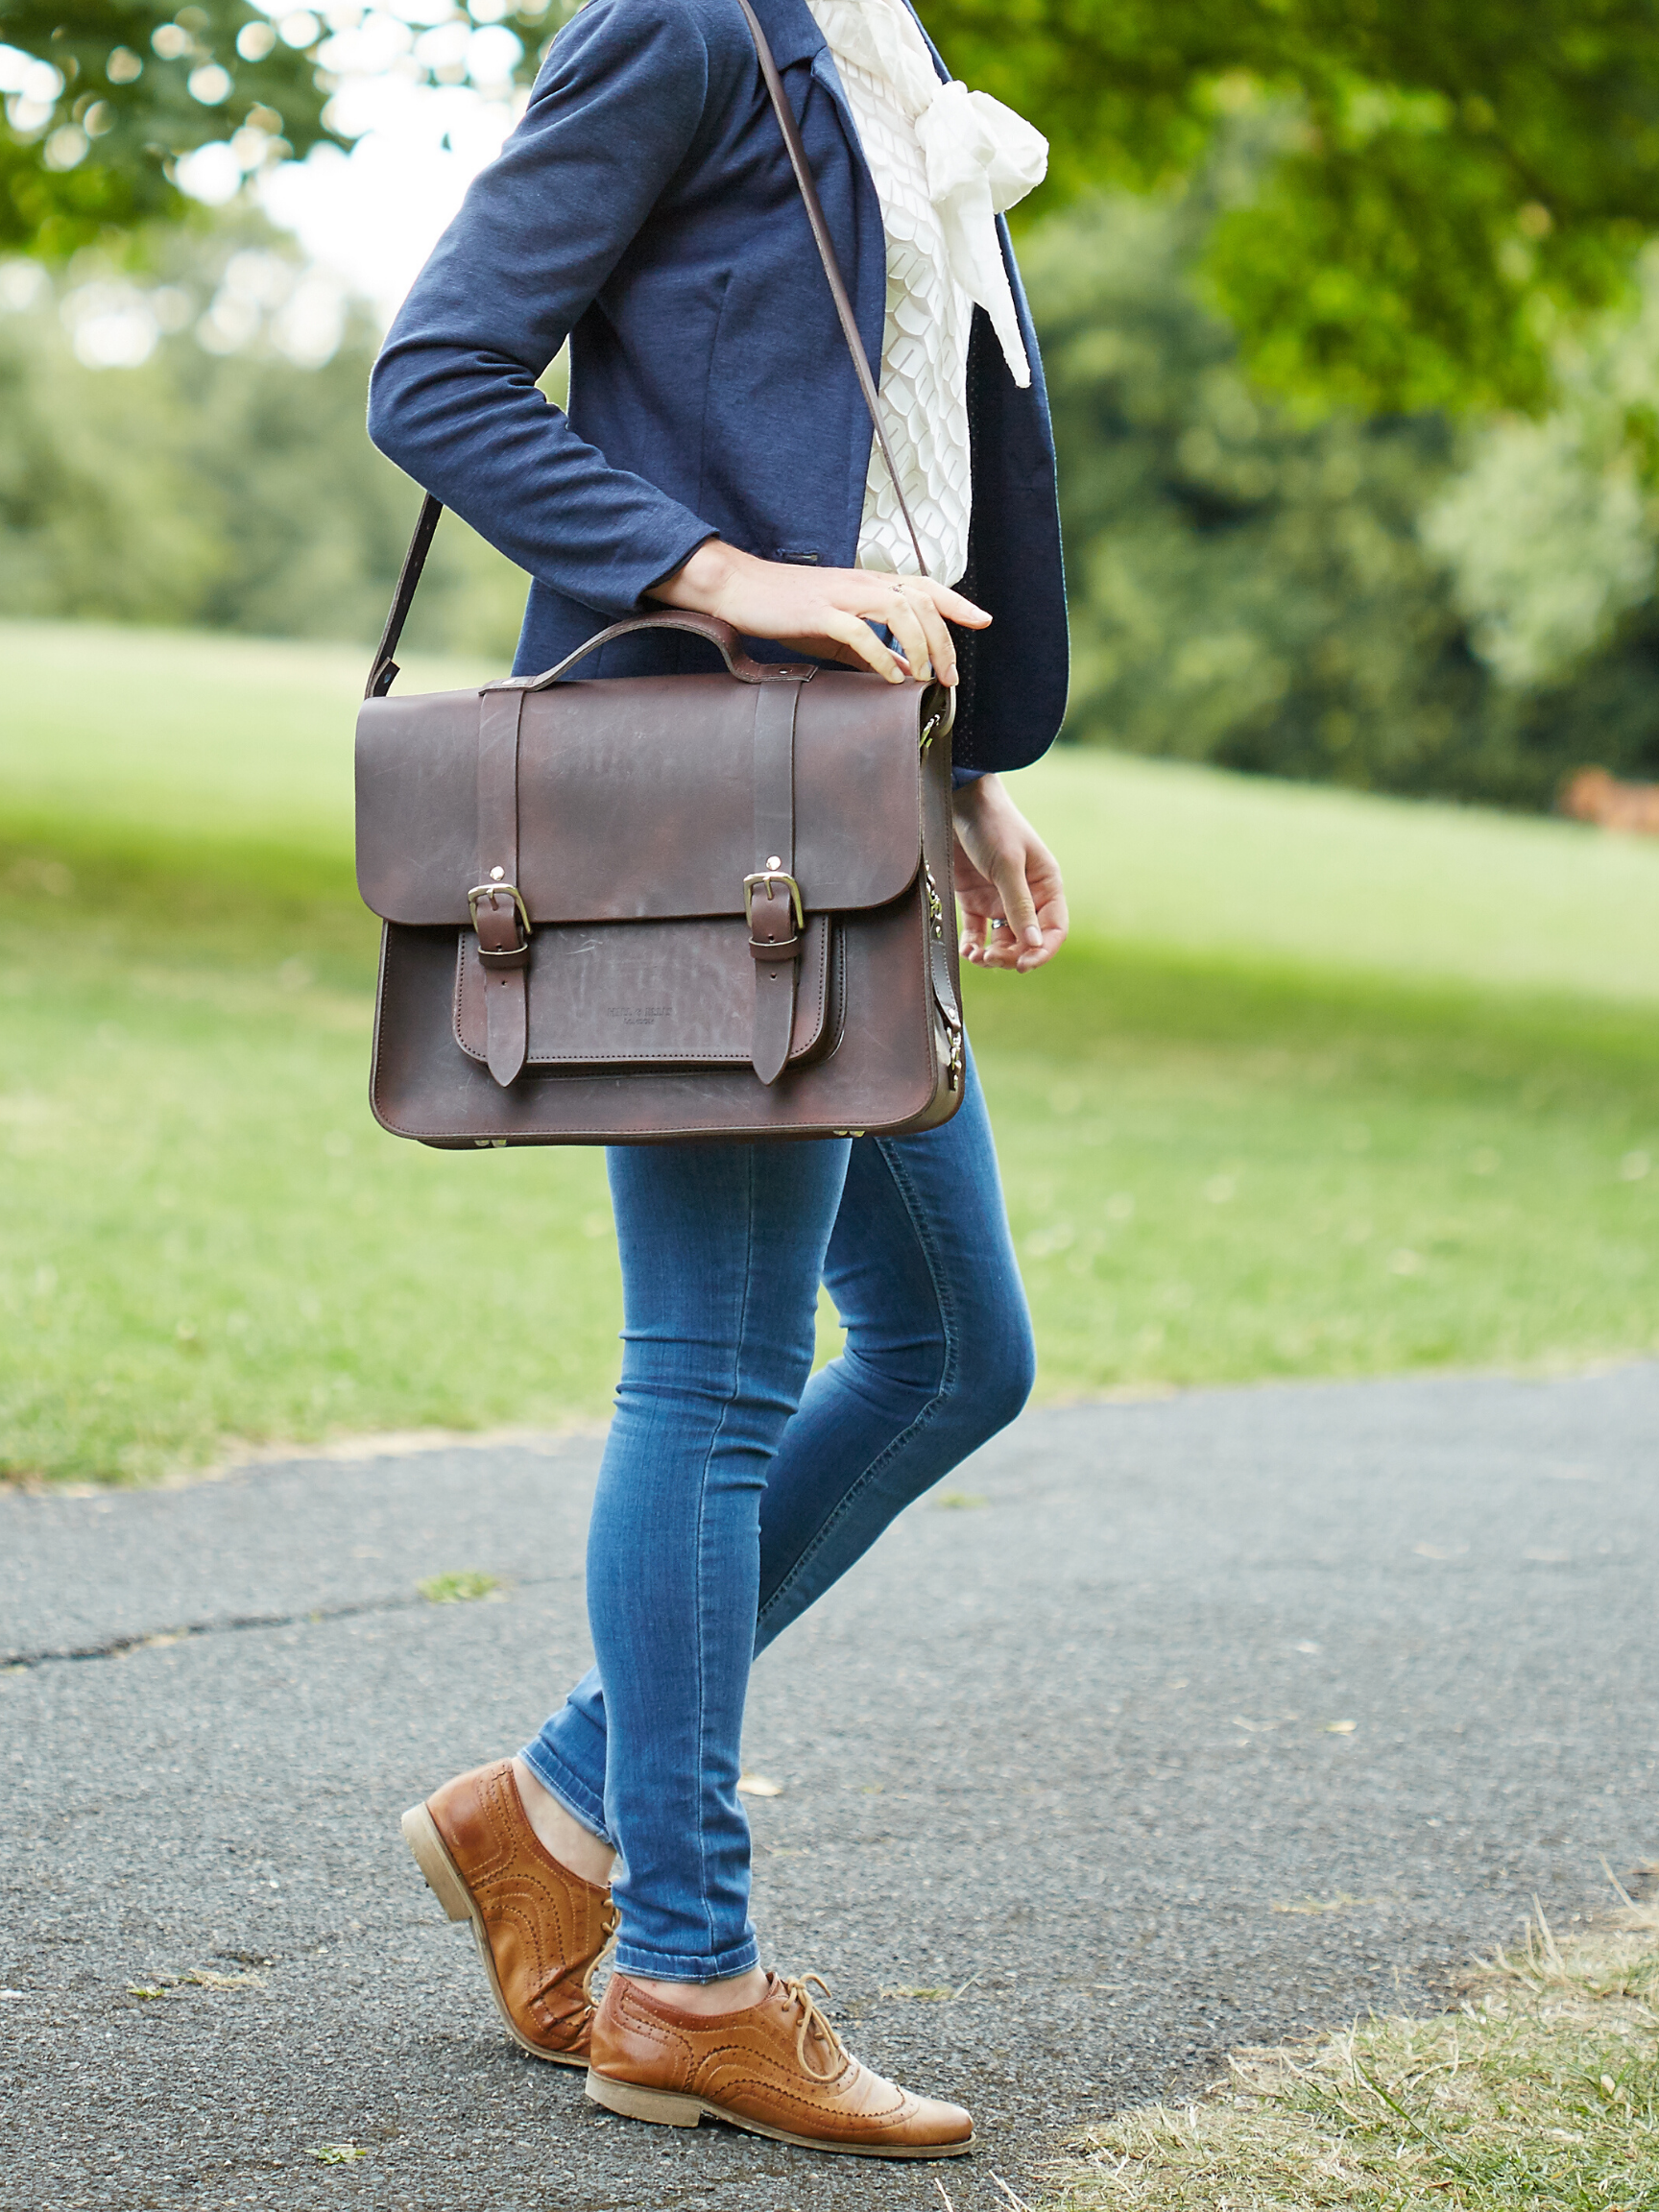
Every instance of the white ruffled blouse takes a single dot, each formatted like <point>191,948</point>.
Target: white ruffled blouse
<point>946,162</point>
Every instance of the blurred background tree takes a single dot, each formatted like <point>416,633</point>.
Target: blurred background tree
<point>1399,602</point>
<point>217,482</point>
<point>1451,177</point>
<point>105,98</point>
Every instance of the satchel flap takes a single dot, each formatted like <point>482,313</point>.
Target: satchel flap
<point>635,797</point>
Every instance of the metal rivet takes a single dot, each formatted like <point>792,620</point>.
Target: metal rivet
<point>496,874</point>
<point>773,860</point>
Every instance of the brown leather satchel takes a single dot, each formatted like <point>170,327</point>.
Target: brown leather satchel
<point>642,908</point>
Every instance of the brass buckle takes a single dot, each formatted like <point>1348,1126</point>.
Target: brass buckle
<point>516,955</point>
<point>504,891</point>
<point>768,876</point>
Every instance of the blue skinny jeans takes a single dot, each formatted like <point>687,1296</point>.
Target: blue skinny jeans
<point>737,1485</point>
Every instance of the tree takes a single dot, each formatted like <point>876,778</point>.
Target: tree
<point>1453,181</point>
<point>108,96</point>
<point>220,491</point>
<point>1443,186</point>
<point>1387,602</point>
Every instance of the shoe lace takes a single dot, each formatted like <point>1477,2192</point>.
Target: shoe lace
<point>811,2022</point>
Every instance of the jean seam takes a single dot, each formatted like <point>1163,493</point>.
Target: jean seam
<point>731,1393</point>
<point>913,1427</point>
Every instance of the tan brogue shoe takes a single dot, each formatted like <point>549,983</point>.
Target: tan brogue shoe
<point>541,1930</point>
<point>777,2068</point>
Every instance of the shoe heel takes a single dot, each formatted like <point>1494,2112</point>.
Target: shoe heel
<point>420,1834</point>
<point>667,2107</point>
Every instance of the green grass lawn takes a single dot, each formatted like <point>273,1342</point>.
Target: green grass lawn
<point>1324,1085</point>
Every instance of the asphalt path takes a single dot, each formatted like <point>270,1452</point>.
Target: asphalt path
<point>1190,1724</point>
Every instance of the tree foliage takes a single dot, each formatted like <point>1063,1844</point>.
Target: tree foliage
<point>138,86</point>
<point>1451,183</point>
<point>214,490</point>
<point>90,148</point>
<point>1453,178</point>
<point>1387,602</point>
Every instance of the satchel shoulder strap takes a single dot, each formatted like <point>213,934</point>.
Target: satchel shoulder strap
<point>384,670</point>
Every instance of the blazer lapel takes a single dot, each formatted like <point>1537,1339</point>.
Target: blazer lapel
<point>791,31</point>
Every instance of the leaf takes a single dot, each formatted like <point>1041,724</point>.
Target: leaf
<point>457,1589</point>
<point>757,1785</point>
<point>336,2154</point>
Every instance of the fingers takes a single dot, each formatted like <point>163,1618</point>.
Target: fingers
<point>1004,926</point>
<point>903,617</point>
<point>1055,917</point>
<point>899,619</point>
<point>922,636</point>
<point>989,944</point>
<point>953,606</point>
<point>1018,907</point>
<point>941,651</point>
<point>919,612</point>
<point>830,612</point>
<point>924,648</point>
<point>864,648</point>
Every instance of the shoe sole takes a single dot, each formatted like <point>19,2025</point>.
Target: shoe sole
<point>674,2108</point>
<point>444,1878</point>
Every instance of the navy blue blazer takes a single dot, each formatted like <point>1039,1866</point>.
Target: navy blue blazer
<point>645,208</point>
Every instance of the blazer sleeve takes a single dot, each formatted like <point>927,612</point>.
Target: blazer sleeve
<point>453,398</point>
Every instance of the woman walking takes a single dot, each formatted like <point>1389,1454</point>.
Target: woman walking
<point>716,456</point>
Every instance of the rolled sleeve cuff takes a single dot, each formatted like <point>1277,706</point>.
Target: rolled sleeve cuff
<point>697,533</point>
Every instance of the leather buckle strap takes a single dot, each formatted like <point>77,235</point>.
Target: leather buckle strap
<point>495,904</point>
<point>775,925</point>
<point>771,877</point>
<point>503,926</point>
<point>777,919</point>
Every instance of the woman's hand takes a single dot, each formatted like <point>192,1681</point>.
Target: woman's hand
<point>1007,881</point>
<point>827,611</point>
